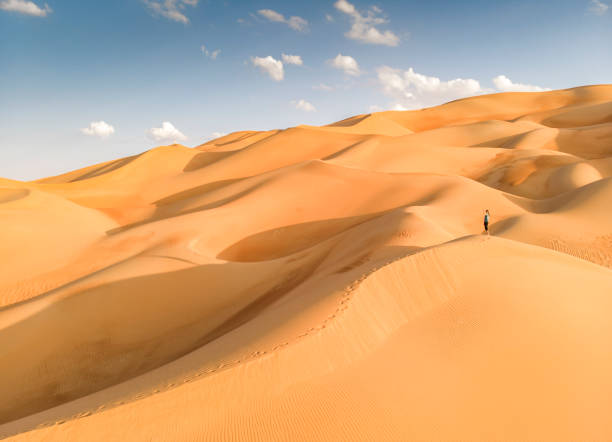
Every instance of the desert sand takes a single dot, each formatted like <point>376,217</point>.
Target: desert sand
<point>322,283</point>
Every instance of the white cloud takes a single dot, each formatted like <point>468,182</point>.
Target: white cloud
<point>504,84</point>
<point>304,105</point>
<point>375,108</point>
<point>274,68</point>
<point>370,34</point>
<point>323,87</point>
<point>329,18</point>
<point>272,15</point>
<point>346,63</point>
<point>346,7</point>
<point>293,59</point>
<point>167,132</point>
<point>99,129</point>
<point>413,90</point>
<point>297,23</point>
<point>294,22</point>
<point>597,7</point>
<point>25,7</point>
<point>216,135</point>
<point>212,55</point>
<point>171,9</point>
<point>363,27</point>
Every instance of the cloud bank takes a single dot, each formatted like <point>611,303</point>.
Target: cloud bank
<point>412,90</point>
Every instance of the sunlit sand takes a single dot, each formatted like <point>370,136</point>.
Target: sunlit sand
<point>322,283</point>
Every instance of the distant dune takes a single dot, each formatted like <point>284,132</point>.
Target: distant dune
<point>322,283</point>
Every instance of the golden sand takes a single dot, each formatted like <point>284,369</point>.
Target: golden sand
<point>322,283</point>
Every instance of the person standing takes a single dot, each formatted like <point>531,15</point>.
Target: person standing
<point>487,216</point>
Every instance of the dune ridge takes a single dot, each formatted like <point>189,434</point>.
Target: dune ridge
<point>322,283</point>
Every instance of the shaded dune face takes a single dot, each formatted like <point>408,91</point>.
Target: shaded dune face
<point>322,283</point>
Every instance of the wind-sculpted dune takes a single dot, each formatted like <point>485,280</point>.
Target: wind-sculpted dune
<point>322,283</point>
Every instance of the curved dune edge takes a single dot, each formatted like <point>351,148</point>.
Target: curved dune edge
<point>376,318</point>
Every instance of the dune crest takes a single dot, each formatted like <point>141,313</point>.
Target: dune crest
<point>322,283</point>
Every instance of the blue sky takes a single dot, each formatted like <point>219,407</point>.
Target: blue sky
<point>88,81</point>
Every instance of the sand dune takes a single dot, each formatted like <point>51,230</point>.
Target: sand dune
<point>322,283</point>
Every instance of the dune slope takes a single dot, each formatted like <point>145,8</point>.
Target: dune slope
<point>322,283</point>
